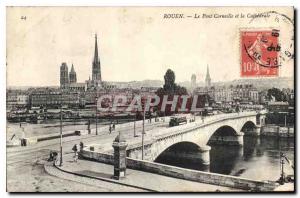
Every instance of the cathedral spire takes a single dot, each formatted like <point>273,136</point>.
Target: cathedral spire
<point>207,78</point>
<point>72,68</point>
<point>96,69</point>
<point>207,72</point>
<point>96,58</point>
<point>72,75</point>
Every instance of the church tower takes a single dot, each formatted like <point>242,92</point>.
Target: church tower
<point>193,82</point>
<point>96,70</point>
<point>72,75</point>
<point>207,78</point>
<point>64,75</point>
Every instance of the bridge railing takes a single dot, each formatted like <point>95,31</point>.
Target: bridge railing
<point>230,115</point>
<point>199,123</point>
<point>167,132</point>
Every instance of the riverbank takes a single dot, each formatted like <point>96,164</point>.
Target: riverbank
<point>50,127</point>
<point>277,131</point>
<point>91,170</point>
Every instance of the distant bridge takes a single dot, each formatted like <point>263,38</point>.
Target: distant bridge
<point>223,128</point>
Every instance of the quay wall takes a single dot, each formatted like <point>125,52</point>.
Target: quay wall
<point>183,173</point>
<point>273,130</point>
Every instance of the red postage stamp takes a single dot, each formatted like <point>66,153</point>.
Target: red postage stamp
<point>259,53</point>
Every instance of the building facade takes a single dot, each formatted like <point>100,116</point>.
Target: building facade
<point>16,99</point>
<point>223,94</point>
<point>246,93</point>
<point>53,98</point>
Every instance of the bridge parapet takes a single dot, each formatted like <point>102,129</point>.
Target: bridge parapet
<point>231,115</point>
<point>198,132</point>
<point>207,121</point>
<point>168,132</point>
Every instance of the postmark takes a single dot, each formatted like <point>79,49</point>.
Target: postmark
<point>286,33</point>
<point>259,52</point>
<point>276,43</point>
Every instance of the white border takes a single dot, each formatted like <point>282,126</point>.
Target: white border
<point>4,3</point>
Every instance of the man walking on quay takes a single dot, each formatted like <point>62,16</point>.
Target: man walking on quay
<point>75,149</point>
<point>23,140</point>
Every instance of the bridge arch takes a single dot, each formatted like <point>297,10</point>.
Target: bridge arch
<point>226,134</point>
<point>248,126</point>
<point>185,152</point>
<point>224,129</point>
<point>178,147</point>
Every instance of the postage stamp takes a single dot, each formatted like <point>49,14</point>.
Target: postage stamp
<point>260,52</point>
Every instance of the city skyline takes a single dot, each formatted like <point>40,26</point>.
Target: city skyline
<point>50,36</point>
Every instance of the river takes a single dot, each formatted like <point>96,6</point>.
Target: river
<point>258,159</point>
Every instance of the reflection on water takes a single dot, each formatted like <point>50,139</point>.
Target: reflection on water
<point>222,160</point>
<point>257,159</point>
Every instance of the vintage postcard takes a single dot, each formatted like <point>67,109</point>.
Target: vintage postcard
<point>150,99</point>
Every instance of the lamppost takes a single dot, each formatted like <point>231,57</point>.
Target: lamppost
<point>134,121</point>
<point>285,120</point>
<point>74,114</point>
<point>96,115</point>
<point>143,133</point>
<point>134,130</point>
<point>282,174</point>
<point>61,136</point>
<point>110,123</point>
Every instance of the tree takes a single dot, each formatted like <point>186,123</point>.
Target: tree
<point>170,89</point>
<point>277,94</point>
<point>169,81</point>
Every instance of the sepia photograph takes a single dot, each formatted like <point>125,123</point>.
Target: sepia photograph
<point>150,99</point>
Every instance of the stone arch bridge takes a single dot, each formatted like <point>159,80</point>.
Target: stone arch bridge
<point>222,128</point>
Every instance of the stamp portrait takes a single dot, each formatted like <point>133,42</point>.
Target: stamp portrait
<point>260,52</point>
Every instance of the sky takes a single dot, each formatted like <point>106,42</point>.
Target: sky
<point>135,43</point>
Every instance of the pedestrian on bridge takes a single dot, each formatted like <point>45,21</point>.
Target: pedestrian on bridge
<point>110,129</point>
